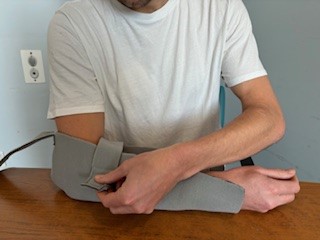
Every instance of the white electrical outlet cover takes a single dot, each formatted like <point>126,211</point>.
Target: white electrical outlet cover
<point>32,66</point>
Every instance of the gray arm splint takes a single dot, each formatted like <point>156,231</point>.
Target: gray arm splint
<point>76,162</point>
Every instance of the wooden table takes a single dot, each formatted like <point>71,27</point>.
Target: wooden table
<point>31,207</point>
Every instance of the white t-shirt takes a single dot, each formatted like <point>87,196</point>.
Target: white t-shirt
<point>155,76</point>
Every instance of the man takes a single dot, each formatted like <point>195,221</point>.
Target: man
<point>147,72</point>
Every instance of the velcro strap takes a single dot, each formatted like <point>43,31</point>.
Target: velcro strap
<point>75,163</point>
<point>71,166</point>
<point>106,158</point>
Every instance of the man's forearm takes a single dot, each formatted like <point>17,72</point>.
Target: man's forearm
<point>255,129</point>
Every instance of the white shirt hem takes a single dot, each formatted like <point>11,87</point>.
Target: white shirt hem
<point>246,77</point>
<point>75,110</point>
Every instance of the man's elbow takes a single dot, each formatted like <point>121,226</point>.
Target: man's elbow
<point>279,128</point>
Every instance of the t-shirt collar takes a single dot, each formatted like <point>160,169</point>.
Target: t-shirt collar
<point>145,17</point>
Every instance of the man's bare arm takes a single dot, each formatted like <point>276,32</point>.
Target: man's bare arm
<point>260,125</point>
<point>88,127</point>
<point>148,177</point>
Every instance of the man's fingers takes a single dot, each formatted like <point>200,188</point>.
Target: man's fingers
<point>296,186</point>
<point>116,203</point>
<point>285,187</point>
<point>109,199</point>
<point>278,173</point>
<point>285,199</point>
<point>112,176</point>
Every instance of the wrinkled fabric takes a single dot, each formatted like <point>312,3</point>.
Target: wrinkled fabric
<point>75,163</point>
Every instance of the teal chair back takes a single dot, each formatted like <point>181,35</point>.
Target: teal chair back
<point>222,103</point>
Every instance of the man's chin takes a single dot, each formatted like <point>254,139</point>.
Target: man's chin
<point>135,4</point>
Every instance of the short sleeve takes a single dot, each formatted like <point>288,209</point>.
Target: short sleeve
<point>73,87</point>
<point>241,60</point>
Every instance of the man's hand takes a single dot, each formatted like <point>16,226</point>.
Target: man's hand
<point>265,189</point>
<point>141,182</point>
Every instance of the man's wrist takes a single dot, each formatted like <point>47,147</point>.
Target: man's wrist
<point>185,163</point>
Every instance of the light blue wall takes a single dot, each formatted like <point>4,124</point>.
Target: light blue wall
<point>288,36</point>
<point>23,25</point>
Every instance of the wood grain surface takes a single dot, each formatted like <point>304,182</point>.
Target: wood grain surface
<point>31,207</point>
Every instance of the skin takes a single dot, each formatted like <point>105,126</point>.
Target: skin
<point>150,176</point>
<point>146,6</point>
<point>145,179</point>
<point>276,186</point>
